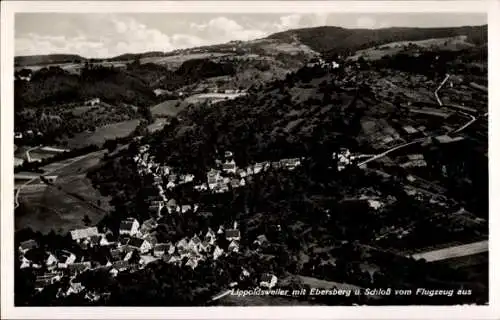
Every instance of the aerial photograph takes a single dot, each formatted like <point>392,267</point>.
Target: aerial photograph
<point>250,159</point>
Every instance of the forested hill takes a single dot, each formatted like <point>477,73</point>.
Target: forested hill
<point>53,86</point>
<point>47,59</point>
<point>340,40</point>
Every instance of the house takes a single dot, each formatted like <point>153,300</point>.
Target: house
<point>140,244</point>
<point>170,185</point>
<point>244,274</point>
<point>18,135</point>
<point>93,102</point>
<point>217,252</point>
<point>201,187</point>
<point>228,154</point>
<point>194,243</point>
<point>65,258</point>
<point>193,263</point>
<point>174,259</point>
<point>148,225</point>
<point>123,240</point>
<point>163,248</point>
<point>210,236</point>
<point>95,240</point>
<point>234,246</point>
<point>50,260</point>
<point>75,287</point>
<point>229,166</point>
<point>221,230</point>
<point>185,208</point>
<point>242,173</point>
<point>46,279</point>
<point>129,226</point>
<point>235,183</point>
<point>268,280</point>
<point>151,238</point>
<point>119,266</point>
<point>78,267</point>
<point>261,240</point>
<point>232,234</point>
<point>204,246</point>
<point>80,235</point>
<point>156,206</point>
<point>115,254</point>
<point>213,177</point>
<point>25,263</point>
<point>27,245</point>
<point>172,206</point>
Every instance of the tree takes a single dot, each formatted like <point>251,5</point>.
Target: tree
<point>86,220</point>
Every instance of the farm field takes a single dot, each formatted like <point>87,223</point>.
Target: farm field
<point>450,43</point>
<point>60,207</point>
<point>101,134</point>
<point>176,60</point>
<point>157,125</point>
<point>169,108</point>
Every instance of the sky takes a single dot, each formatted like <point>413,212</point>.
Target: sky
<point>103,35</point>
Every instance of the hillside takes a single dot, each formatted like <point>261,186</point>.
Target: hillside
<point>46,59</point>
<point>53,86</point>
<point>335,40</point>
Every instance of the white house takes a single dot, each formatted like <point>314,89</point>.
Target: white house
<point>217,252</point>
<point>79,235</point>
<point>51,260</point>
<point>210,236</point>
<point>268,281</point>
<point>65,258</point>
<point>130,227</point>
<point>229,166</point>
<point>140,244</point>
<point>233,246</point>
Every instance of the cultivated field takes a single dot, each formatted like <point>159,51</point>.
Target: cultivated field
<point>61,207</point>
<point>177,60</point>
<point>375,53</point>
<point>101,134</point>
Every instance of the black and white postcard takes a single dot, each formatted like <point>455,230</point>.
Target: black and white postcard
<point>247,154</point>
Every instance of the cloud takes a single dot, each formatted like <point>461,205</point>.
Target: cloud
<point>222,29</point>
<point>108,35</point>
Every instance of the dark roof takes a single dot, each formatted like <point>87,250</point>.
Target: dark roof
<point>79,266</point>
<point>126,225</point>
<point>116,254</point>
<point>120,264</point>
<point>95,239</point>
<point>162,246</point>
<point>124,240</point>
<point>136,242</point>
<point>232,233</point>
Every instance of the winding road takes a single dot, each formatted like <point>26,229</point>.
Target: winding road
<point>463,127</point>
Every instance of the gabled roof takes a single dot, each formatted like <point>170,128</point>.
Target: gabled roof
<point>136,242</point>
<point>116,254</point>
<point>162,247</point>
<point>127,224</point>
<point>79,266</point>
<point>196,239</point>
<point>84,233</point>
<point>121,264</point>
<point>232,233</point>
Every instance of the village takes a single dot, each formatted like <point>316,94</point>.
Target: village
<point>137,246</point>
